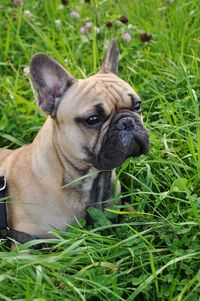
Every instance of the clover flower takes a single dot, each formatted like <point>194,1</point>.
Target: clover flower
<point>17,2</point>
<point>123,19</point>
<point>145,37</point>
<point>64,2</point>
<point>28,13</point>
<point>57,23</point>
<point>75,15</point>
<point>97,30</point>
<point>87,27</point>
<point>26,71</point>
<point>83,30</point>
<point>126,37</point>
<point>109,24</point>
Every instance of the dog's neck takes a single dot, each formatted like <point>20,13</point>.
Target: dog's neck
<point>94,185</point>
<point>57,164</point>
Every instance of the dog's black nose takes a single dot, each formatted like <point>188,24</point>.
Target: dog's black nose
<point>125,123</point>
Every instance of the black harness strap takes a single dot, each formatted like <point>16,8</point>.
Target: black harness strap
<point>5,231</point>
<point>3,215</point>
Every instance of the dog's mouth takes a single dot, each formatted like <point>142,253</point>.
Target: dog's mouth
<point>126,138</point>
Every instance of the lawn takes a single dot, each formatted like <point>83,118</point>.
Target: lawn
<point>153,252</point>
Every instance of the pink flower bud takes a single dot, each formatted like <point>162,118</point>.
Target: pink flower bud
<point>83,30</point>
<point>88,26</point>
<point>75,15</point>
<point>126,37</point>
<point>17,2</point>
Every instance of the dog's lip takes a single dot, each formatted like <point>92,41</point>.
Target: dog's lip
<point>143,143</point>
<point>119,145</point>
<point>139,146</point>
<point>104,162</point>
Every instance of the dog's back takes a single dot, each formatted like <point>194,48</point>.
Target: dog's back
<point>4,154</point>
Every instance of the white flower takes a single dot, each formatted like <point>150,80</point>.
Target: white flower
<point>61,7</point>
<point>26,71</point>
<point>57,23</point>
<point>97,29</point>
<point>28,13</point>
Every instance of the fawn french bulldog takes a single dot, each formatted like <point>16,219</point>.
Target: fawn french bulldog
<point>93,126</point>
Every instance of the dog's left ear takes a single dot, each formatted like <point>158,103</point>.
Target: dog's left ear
<point>110,63</point>
<point>50,81</point>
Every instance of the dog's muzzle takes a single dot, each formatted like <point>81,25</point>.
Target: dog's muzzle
<point>126,137</point>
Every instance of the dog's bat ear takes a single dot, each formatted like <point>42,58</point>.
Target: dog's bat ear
<point>110,63</point>
<point>50,80</point>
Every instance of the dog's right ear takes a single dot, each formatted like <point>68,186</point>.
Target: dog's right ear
<point>50,80</point>
<point>110,63</point>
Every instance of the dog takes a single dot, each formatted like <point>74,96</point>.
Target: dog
<point>94,125</point>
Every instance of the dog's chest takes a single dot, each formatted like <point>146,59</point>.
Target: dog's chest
<point>97,189</point>
<point>94,190</point>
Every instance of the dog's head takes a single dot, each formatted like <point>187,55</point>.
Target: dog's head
<point>96,120</point>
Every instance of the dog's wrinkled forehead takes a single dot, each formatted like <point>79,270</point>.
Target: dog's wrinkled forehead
<point>105,89</point>
<point>57,90</point>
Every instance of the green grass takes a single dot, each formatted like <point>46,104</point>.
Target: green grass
<point>153,253</point>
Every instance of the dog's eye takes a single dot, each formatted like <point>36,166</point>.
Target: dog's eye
<point>137,106</point>
<point>92,120</point>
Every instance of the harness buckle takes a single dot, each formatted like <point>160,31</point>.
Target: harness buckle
<point>4,185</point>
